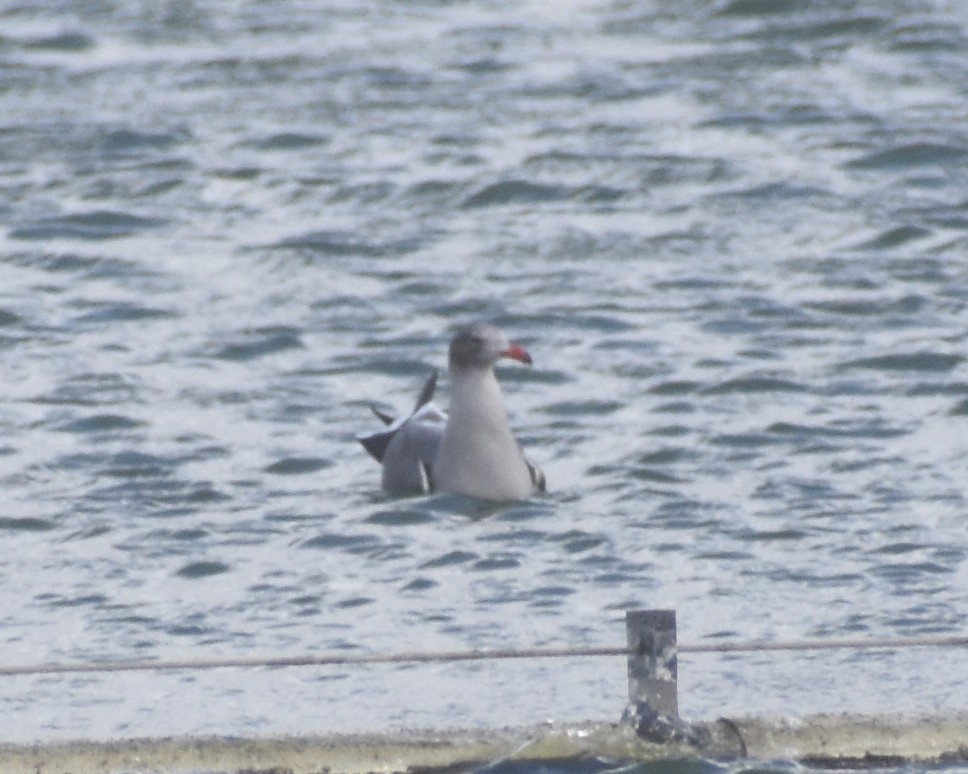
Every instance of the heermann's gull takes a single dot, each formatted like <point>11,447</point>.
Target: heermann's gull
<point>470,452</point>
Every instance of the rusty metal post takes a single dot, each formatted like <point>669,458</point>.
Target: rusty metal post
<point>652,662</point>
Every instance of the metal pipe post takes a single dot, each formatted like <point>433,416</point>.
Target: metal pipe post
<point>652,662</point>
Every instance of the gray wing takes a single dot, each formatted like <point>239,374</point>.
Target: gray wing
<point>376,443</point>
<point>407,446</point>
<point>427,392</point>
<point>411,451</point>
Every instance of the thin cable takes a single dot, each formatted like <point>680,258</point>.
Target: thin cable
<point>341,659</point>
<point>843,643</point>
<point>335,659</point>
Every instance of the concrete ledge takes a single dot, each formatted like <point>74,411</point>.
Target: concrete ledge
<point>820,739</point>
<point>842,737</point>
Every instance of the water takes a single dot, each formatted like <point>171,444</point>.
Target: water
<point>732,234</point>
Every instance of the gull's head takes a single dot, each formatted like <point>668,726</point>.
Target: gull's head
<point>481,345</point>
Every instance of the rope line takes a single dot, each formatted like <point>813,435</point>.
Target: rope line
<point>341,659</point>
<point>841,643</point>
<point>333,659</point>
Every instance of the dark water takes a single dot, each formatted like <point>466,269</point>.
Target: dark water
<point>732,234</point>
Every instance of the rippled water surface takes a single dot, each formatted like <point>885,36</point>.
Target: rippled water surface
<point>733,234</point>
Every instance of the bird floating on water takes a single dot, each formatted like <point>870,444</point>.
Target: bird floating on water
<point>470,450</point>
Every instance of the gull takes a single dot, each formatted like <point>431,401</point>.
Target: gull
<point>469,451</point>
